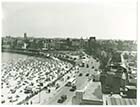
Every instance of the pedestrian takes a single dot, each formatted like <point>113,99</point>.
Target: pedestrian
<point>27,103</point>
<point>49,90</point>
<point>31,102</point>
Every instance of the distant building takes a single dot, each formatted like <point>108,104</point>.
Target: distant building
<point>20,43</point>
<point>115,75</point>
<point>26,41</point>
<point>120,101</point>
<point>76,43</point>
<point>9,42</point>
<point>68,42</point>
<point>92,38</point>
<point>92,45</point>
<point>24,46</point>
<point>82,43</point>
<point>25,35</point>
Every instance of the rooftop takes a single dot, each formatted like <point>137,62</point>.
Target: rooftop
<point>121,101</point>
<point>93,92</point>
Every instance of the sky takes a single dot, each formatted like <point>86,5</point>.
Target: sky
<point>114,19</point>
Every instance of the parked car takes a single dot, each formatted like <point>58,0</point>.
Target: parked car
<point>87,74</point>
<point>92,67</point>
<point>70,82</point>
<point>80,74</point>
<point>57,86</point>
<point>96,70</point>
<point>13,91</point>
<point>82,65</point>
<point>3,101</point>
<point>62,99</point>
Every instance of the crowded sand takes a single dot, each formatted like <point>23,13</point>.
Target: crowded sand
<point>24,77</point>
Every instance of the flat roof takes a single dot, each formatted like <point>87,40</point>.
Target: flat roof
<point>93,92</point>
<point>121,101</point>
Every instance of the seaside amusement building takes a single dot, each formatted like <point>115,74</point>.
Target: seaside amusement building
<point>114,87</point>
<point>116,80</point>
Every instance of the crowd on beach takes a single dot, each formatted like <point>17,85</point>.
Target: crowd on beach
<point>27,76</point>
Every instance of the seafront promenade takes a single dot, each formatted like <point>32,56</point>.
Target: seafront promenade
<point>25,77</point>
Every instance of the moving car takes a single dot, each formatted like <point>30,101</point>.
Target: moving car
<point>73,88</point>
<point>70,82</point>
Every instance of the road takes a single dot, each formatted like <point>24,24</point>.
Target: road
<point>64,90</point>
<point>81,82</point>
<point>43,96</point>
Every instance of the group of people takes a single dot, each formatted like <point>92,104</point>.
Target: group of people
<point>26,76</point>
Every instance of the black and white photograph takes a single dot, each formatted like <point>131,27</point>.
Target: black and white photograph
<point>72,52</point>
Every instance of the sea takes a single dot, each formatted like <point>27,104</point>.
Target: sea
<point>8,57</point>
